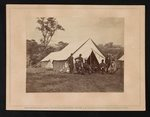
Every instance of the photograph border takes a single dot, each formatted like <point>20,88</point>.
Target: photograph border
<point>111,107</point>
<point>75,2</point>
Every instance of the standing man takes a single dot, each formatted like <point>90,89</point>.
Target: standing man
<point>80,59</point>
<point>107,61</point>
<point>80,63</point>
<point>70,63</point>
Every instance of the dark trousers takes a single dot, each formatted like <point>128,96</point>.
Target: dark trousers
<point>71,68</point>
<point>108,65</point>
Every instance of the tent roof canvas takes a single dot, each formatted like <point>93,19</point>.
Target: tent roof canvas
<point>82,47</point>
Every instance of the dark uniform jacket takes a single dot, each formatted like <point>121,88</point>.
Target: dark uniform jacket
<point>70,60</point>
<point>80,59</point>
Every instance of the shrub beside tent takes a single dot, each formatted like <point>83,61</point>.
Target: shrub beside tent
<point>58,60</point>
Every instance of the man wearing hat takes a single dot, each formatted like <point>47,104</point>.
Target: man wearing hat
<point>79,63</point>
<point>80,59</point>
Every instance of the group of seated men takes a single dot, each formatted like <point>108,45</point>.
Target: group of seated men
<point>83,67</point>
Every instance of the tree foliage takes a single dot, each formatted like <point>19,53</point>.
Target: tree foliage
<point>60,45</point>
<point>116,50</point>
<point>48,27</point>
<point>35,51</point>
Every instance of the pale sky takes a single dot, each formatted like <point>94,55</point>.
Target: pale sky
<point>101,30</point>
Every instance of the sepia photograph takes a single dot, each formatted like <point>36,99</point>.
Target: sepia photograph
<point>75,57</point>
<point>75,54</point>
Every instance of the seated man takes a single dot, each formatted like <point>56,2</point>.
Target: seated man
<point>87,67</point>
<point>102,66</point>
<point>95,67</point>
<point>107,61</point>
<point>112,68</point>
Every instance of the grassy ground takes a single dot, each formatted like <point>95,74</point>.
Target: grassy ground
<point>41,80</point>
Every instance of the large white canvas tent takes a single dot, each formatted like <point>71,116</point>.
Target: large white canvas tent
<point>88,49</point>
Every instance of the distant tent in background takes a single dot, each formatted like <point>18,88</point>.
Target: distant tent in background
<point>87,48</point>
<point>122,58</point>
<point>121,62</point>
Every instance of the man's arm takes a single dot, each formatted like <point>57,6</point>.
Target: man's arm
<point>76,58</point>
